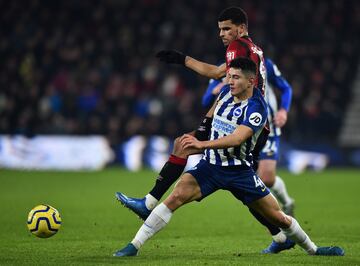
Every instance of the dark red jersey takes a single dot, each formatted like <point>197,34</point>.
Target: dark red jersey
<point>244,47</point>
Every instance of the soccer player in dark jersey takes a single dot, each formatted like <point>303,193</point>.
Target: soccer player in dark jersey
<point>239,115</point>
<point>232,23</point>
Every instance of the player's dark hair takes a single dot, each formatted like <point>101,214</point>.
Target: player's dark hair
<point>235,14</point>
<point>243,63</point>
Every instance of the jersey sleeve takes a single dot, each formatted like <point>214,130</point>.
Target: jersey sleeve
<point>255,115</point>
<point>208,97</point>
<point>277,80</point>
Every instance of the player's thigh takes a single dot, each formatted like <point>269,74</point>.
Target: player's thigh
<point>269,208</point>
<point>267,171</point>
<point>185,191</point>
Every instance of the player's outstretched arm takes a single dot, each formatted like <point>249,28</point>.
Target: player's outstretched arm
<point>202,68</point>
<point>205,69</point>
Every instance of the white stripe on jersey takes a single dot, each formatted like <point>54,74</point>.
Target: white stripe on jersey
<point>228,115</point>
<point>270,98</point>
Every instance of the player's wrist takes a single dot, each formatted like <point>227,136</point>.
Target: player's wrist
<point>204,144</point>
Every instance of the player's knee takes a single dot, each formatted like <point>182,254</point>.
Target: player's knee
<point>177,198</point>
<point>177,146</point>
<point>267,176</point>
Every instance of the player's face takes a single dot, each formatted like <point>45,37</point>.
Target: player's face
<point>228,31</point>
<point>239,82</point>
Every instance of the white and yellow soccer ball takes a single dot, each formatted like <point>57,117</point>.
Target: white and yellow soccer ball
<point>44,221</point>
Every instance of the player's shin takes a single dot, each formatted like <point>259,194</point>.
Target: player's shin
<point>276,233</point>
<point>157,220</point>
<point>298,235</point>
<point>167,176</point>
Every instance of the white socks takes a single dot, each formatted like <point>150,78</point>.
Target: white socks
<point>297,234</point>
<point>280,237</point>
<point>150,201</point>
<point>156,221</point>
<point>280,192</point>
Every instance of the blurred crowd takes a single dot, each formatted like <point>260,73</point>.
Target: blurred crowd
<point>88,67</point>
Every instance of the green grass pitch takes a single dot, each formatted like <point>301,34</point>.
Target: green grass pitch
<point>218,231</point>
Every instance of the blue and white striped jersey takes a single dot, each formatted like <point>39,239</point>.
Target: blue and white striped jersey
<point>228,115</point>
<point>275,79</point>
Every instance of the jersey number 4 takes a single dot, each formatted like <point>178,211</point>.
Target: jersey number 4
<point>259,183</point>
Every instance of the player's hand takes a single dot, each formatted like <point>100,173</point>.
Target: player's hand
<point>280,118</point>
<point>171,57</point>
<point>188,141</point>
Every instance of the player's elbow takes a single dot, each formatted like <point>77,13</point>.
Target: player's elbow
<point>218,74</point>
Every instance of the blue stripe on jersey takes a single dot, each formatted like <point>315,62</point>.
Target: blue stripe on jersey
<point>224,91</point>
<point>217,155</point>
<point>228,157</point>
<point>241,118</point>
<point>248,154</point>
<point>231,113</point>
<point>237,151</point>
<point>224,105</point>
<point>207,153</point>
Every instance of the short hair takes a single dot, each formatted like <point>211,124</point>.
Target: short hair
<point>235,14</point>
<point>243,63</point>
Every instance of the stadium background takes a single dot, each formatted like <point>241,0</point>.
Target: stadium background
<point>88,67</point>
<point>73,70</point>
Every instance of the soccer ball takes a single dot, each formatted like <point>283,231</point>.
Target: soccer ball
<point>44,221</point>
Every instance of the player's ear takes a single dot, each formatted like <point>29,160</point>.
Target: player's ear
<point>241,29</point>
<point>251,80</point>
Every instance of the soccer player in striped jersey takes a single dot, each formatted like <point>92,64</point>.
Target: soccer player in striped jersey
<point>239,115</point>
<point>233,24</point>
<point>277,119</point>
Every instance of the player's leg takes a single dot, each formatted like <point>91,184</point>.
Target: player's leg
<point>170,172</point>
<point>269,208</point>
<point>280,192</point>
<point>280,242</point>
<point>248,187</point>
<point>267,172</point>
<point>185,191</point>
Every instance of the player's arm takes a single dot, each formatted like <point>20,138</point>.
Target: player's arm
<point>203,131</point>
<point>205,69</point>
<point>253,122</point>
<point>277,80</point>
<point>202,68</point>
<point>240,134</point>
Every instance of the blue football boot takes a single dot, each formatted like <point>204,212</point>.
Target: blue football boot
<point>276,247</point>
<point>136,205</point>
<point>128,251</point>
<point>329,251</point>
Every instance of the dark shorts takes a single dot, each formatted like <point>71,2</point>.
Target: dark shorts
<point>271,149</point>
<point>241,181</point>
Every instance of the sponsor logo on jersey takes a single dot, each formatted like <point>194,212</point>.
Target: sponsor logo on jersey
<point>237,112</point>
<point>255,119</point>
